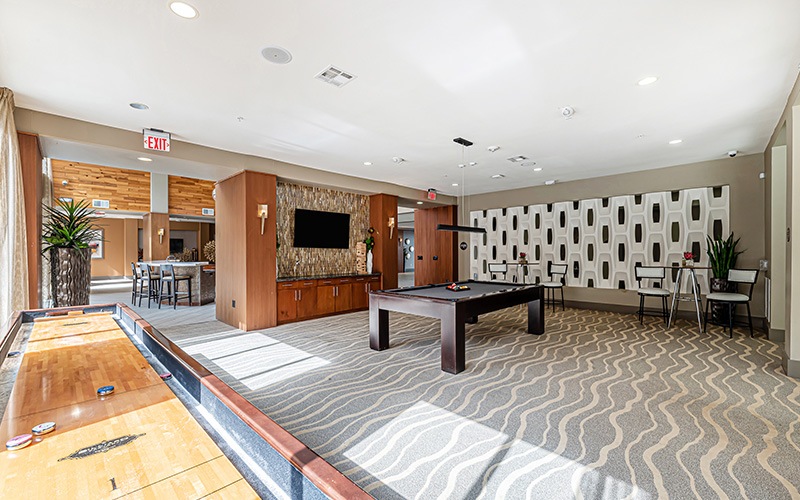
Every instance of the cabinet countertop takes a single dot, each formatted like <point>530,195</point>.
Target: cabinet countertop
<point>325,276</point>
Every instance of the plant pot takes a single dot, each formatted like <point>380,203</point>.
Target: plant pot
<point>719,311</point>
<point>70,276</point>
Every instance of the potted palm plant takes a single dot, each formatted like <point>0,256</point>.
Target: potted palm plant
<point>68,230</point>
<point>722,256</point>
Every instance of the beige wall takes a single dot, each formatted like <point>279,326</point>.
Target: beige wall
<point>746,203</point>
<point>120,237</point>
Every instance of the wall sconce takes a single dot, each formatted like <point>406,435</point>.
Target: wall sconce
<point>391,226</point>
<point>263,211</point>
<point>160,235</point>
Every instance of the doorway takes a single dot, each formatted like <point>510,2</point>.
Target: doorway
<point>406,255</point>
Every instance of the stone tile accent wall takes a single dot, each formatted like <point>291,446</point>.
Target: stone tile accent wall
<point>318,261</point>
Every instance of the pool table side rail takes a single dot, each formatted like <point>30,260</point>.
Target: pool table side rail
<point>394,291</point>
<point>195,378</point>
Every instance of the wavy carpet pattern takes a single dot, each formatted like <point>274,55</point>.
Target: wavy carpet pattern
<point>597,407</point>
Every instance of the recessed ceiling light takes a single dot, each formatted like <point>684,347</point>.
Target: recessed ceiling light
<point>676,141</point>
<point>398,159</point>
<point>144,158</point>
<point>240,119</point>
<point>473,163</point>
<point>455,184</point>
<point>537,169</point>
<point>277,55</point>
<point>419,203</point>
<point>367,163</point>
<point>648,80</point>
<point>462,165</point>
<point>492,149</point>
<point>183,9</point>
<point>139,105</point>
<point>498,176</point>
<point>550,182</point>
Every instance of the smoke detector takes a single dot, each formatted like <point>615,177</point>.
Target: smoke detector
<point>567,112</point>
<point>277,55</point>
<point>335,76</point>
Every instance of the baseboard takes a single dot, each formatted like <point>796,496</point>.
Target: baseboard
<point>790,366</point>
<point>759,324</point>
<point>776,335</point>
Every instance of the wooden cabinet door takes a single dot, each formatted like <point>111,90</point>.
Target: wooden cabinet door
<point>307,302</point>
<point>287,304</point>
<point>358,295</point>
<point>344,297</point>
<point>326,298</point>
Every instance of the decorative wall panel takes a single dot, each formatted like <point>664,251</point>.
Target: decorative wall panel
<point>189,196</point>
<point>602,239</point>
<point>317,261</point>
<point>124,189</point>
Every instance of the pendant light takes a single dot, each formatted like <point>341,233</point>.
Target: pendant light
<point>464,213</point>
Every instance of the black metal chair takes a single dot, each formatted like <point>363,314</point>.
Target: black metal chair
<point>655,274</point>
<point>148,284</point>
<point>168,277</point>
<point>733,299</point>
<point>558,277</point>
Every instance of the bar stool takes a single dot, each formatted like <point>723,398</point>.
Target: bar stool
<point>167,277</point>
<point>137,281</point>
<point>558,275</point>
<point>148,281</point>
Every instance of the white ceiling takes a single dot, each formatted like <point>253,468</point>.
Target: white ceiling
<point>495,73</point>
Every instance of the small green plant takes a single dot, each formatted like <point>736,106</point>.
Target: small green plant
<point>370,240</point>
<point>722,255</point>
<point>69,225</point>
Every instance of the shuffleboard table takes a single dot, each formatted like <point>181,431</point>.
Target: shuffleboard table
<point>454,309</point>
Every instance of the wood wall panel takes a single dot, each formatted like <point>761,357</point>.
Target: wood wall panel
<point>31,162</point>
<point>124,189</point>
<point>430,243</point>
<point>384,255</point>
<point>246,271</point>
<point>189,196</point>
<point>155,249</point>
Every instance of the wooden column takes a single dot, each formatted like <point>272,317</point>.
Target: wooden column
<point>31,159</point>
<point>246,258</point>
<point>435,251</point>
<point>155,248</point>
<point>384,254</point>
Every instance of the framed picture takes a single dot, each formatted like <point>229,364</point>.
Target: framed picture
<point>97,245</point>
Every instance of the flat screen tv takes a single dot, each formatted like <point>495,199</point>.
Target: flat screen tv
<point>314,229</point>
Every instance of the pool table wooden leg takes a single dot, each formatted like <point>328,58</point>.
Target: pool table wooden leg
<point>453,342</point>
<point>536,316</point>
<point>378,328</point>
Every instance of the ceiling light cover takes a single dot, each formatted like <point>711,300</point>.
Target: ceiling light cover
<point>140,106</point>
<point>183,10</point>
<point>676,141</point>
<point>537,169</point>
<point>498,176</point>
<point>277,55</point>
<point>367,163</point>
<point>550,182</point>
<point>419,203</point>
<point>648,80</point>
<point>143,158</point>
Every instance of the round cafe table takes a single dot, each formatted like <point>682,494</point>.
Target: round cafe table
<point>694,296</point>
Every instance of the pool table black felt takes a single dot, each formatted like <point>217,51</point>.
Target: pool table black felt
<point>476,288</point>
<point>454,309</point>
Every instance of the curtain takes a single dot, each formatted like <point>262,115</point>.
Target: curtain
<point>47,199</point>
<point>13,250</point>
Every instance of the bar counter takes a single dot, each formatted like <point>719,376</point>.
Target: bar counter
<point>203,280</point>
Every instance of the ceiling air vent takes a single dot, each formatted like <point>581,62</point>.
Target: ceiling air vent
<point>100,204</point>
<point>517,159</point>
<point>335,76</point>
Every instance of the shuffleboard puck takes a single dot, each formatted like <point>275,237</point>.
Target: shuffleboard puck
<point>19,442</point>
<point>165,376</point>
<point>44,428</point>
<point>106,390</point>
<point>14,354</point>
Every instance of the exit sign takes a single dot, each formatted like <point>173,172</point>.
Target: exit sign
<point>155,140</point>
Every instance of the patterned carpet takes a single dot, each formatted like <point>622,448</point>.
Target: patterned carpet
<point>597,407</point>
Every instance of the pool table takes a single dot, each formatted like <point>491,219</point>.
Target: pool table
<point>454,309</point>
